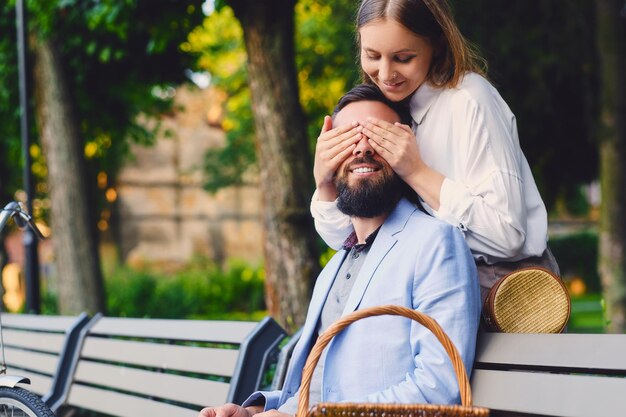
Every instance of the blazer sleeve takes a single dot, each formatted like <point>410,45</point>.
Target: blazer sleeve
<point>269,399</point>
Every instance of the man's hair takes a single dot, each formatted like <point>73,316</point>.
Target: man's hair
<point>370,92</point>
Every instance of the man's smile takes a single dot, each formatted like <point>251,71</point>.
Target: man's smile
<point>364,170</point>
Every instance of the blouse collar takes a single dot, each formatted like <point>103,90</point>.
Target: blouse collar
<point>421,101</point>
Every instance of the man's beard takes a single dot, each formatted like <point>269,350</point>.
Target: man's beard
<point>368,197</point>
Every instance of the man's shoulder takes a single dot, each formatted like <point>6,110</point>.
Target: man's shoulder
<point>425,222</point>
<point>417,223</point>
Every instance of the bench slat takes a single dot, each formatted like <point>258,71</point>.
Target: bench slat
<point>123,405</point>
<point>183,358</point>
<point>36,322</point>
<point>569,351</point>
<point>46,342</point>
<point>172,387</point>
<point>191,330</point>
<point>40,362</point>
<point>549,394</point>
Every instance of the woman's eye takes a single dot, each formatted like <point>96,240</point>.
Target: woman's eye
<point>404,59</point>
<point>372,57</point>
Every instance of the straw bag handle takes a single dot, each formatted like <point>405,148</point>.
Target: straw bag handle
<point>339,325</point>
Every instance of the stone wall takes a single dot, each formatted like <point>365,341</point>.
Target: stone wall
<point>164,215</point>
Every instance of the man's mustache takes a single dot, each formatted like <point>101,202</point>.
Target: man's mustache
<point>367,159</point>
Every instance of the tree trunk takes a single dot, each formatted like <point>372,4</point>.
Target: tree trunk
<point>79,278</point>
<point>291,256</point>
<point>612,239</point>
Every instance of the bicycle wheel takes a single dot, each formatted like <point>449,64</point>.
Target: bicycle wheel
<point>18,402</point>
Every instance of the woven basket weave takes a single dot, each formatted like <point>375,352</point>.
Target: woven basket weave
<point>387,410</point>
<point>530,300</point>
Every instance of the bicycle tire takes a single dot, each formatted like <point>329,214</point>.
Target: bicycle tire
<point>18,402</point>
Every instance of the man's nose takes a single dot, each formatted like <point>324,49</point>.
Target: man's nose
<point>363,147</point>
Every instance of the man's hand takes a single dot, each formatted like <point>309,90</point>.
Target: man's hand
<point>230,410</point>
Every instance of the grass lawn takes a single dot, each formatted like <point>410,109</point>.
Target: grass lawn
<point>587,314</point>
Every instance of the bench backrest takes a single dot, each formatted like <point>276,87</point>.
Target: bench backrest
<point>158,367</point>
<point>569,375</point>
<point>39,348</point>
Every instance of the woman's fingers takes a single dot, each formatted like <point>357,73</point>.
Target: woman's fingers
<point>336,141</point>
<point>327,125</point>
<point>332,148</point>
<point>406,128</point>
<point>383,129</point>
<point>394,142</point>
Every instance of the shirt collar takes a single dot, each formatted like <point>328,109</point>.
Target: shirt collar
<point>353,242</point>
<point>421,101</point>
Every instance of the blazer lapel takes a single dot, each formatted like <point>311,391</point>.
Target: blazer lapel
<point>322,287</point>
<point>385,240</point>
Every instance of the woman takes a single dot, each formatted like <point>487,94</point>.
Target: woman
<point>462,154</point>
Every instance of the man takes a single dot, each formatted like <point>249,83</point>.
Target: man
<point>397,255</point>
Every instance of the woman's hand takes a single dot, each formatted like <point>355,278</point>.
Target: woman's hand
<point>333,147</point>
<point>396,143</point>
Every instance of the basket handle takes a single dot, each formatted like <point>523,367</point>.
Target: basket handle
<point>339,325</point>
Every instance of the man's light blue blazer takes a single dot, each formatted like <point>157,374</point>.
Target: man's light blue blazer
<point>415,261</point>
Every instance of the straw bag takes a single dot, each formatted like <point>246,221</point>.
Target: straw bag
<point>387,410</point>
<point>530,300</point>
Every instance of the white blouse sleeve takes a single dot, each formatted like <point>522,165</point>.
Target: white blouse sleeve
<point>332,225</point>
<point>486,200</point>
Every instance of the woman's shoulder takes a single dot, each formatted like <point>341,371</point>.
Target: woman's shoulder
<point>473,85</point>
<point>476,91</point>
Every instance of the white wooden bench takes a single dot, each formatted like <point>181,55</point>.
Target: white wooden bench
<point>40,348</point>
<point>156,367</point>
<point>566,375</point>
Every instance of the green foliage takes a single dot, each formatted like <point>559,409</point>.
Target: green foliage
<point>542,59</point>
<point>326,68</point>
<point>121,60</point>
<point>577,256</point>
<point>10,145</point>
<point>325,57</point>
<point>588,314</point>
<point>201,290</point>
<point>218,44</point>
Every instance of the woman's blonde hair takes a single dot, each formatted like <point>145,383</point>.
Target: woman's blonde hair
<point>453,54</point>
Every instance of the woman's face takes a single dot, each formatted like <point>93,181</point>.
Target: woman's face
<point>396,59</point>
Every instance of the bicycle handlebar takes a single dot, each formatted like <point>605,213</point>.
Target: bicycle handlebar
<point>20,217</point>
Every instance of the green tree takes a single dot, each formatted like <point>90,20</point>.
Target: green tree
<point>612,134</point>
<point>267,79</point>
<point>326,63</point>
<point>99,66</point>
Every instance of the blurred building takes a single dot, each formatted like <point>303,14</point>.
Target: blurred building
<point>164,215</point>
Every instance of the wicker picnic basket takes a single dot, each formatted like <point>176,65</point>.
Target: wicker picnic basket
<point>387,410</point>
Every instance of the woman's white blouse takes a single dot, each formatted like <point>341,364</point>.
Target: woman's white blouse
<point>469,135</point>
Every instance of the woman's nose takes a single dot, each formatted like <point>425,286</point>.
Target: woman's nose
<point>385,70</point>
